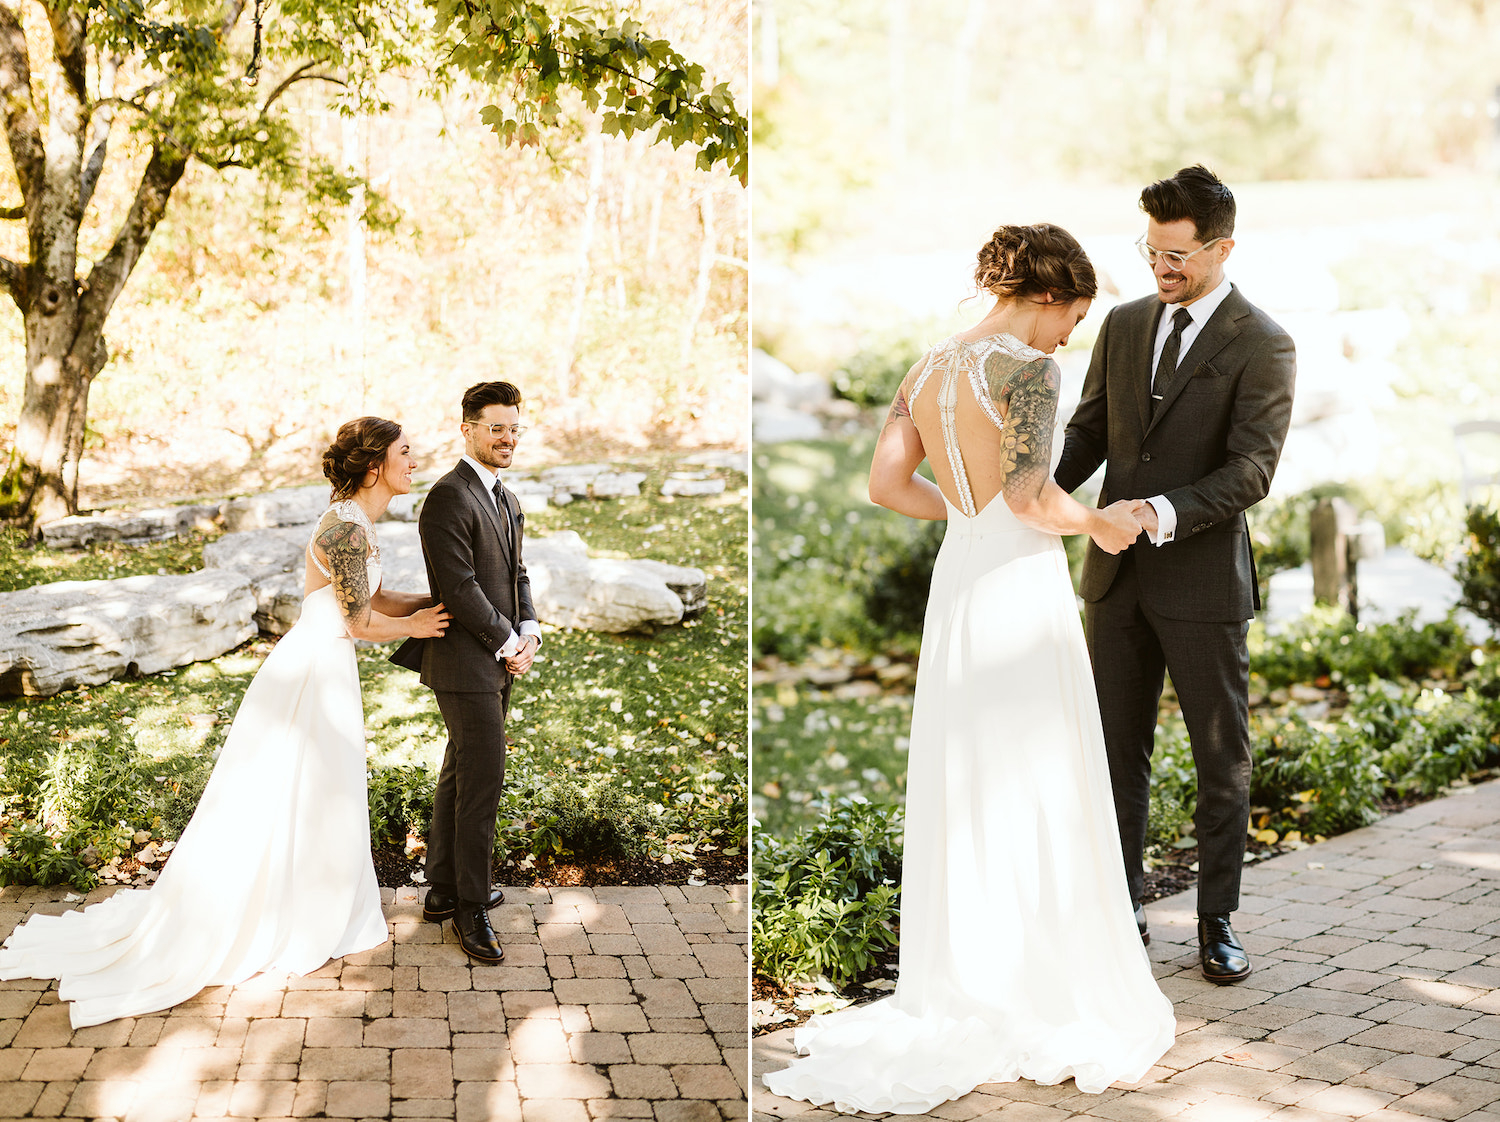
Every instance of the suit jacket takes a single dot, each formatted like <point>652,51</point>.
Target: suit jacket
<point>474,569</point>
<point>1210,447</point>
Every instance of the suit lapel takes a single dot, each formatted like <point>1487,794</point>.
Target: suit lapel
<point>1143,343</point>
<point>486,500</point>
<point>1221,327</point>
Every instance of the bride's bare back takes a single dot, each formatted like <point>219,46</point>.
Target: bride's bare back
<point>996,399</point>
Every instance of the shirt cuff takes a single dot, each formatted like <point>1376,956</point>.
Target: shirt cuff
<point>1166,520</point>
<point>529,628</point>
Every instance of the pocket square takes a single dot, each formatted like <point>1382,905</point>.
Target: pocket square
<point>1207,370</point>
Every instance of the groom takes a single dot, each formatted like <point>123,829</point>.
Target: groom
<point>471,541</point>
<point>1187,400</point>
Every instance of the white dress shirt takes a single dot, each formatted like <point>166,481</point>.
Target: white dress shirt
<point>489,477</point>
<point>1200,309</point>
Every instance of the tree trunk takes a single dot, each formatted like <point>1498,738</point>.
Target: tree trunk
<point>49,434</point>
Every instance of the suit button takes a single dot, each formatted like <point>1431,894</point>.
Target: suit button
<point>1145,457</point>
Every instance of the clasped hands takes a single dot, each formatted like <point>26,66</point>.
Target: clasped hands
<point>520,662</point>
<point>1124,520</point>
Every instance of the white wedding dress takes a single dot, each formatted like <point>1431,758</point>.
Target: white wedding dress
<point>274,870</point>
<point>1019,952</point>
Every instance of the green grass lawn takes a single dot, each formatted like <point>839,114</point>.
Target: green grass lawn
<point>661,717</point>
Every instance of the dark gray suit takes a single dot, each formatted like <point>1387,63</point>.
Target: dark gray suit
<point>1210,446</point>
<point>473,556</point>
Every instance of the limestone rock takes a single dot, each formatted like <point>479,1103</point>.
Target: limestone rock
<point>691,483</point>
<point>618,484</point>
<point>572,589</point>
<point>288,506</point>
<point>273,562</point>
<point>729,459</point>
<point>134,527</point>
<point>81,633</point>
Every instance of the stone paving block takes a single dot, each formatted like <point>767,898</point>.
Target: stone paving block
<point>46,1026</point>
<point>273,1041</point>
<point>1328,1002</point>
<point>615,945</point>
<point>507,978</point>
<point>323,1003</point>
<point>599,1048</point>
<point>347,1065</point>
<point>618,1018</point>
<point>666,997</point>
<point>407,1032</point>
<point>263,1099</point>
<point>421,1003</point>
<point>598,966</point>
<point>1233,1079</point>
<point>445,977</point>
<point>1353,981</point>
<point>475,1011</point>
<point>1427,992</point>
<point>358,1100</point>
<point>718,991</point>
<point>539,1041</point>
<point>721,960</point>
<point>560,1081</point>
<point>554,1110</point>
<point>672,1048</point>
<point>16,1099</point>
<point>430,954</point>
<point>603,1109</point>
<point>564,938</point>
<point>1443,1018</point>
<point>48,1065</point>
<point>529,1004</point>
<point>379,1003</point>
<point>483,1064</point>
<point>704,1081</point>
<point>697,1111</point>
<point>1336,1062</point>
<point>1450,1098</point>
<point>593,991</point>
<point>1404,1038</point>
<point>1320,1030</point>
<point>1416,1068</point>
<point>561,966</point>
<point>421,1073</point>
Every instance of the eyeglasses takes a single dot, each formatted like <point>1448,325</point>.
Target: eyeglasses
<point>1174,260</point>
<point>495,430</point>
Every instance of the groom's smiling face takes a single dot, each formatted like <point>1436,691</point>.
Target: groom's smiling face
<point>493,452</point>
<point>1199,274</point>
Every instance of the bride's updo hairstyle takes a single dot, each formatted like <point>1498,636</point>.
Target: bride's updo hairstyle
<point>1030,261</point>
<point>359,446</point>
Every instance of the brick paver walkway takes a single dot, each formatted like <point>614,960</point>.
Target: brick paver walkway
<point>1376,991</point>
<point>611,1003</point>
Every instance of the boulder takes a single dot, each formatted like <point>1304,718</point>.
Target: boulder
<point>618,484</point>
<point>136,527</point>
<point>81,633</point>
<point>691,483</point>
<point>728,459</point>
<point>273,562</point>
<point>572,589</point>
<point>288,506</point>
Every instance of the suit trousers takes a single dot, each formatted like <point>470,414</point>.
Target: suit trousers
<point>1130,646</point>
<point>461,843</point>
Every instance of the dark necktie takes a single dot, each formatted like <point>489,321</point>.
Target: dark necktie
<point>502,508</point>
<point>1166,366</point>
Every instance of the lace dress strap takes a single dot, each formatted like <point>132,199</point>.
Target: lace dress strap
<point>346,511</point>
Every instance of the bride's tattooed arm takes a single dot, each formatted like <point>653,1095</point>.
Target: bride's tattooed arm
<point>899,408</point>
<point>1031,392</point>
<point>345,546</point>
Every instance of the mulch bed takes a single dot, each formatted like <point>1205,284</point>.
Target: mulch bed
<point>394,869</point>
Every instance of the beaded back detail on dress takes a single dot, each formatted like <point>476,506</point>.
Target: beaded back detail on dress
<point>956,357</point>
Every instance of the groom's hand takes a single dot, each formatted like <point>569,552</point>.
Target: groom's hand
<point>520,662</point>
<point>1145,513</point>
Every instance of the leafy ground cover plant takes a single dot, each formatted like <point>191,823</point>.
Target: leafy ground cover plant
<point>620,744</point>
<point>1327,647</point>
<point>825,900</point>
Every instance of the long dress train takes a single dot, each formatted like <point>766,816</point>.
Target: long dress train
<point>274,870</point>
<point>1019,953</point>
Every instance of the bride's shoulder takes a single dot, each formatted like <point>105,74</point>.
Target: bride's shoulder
<point>345,525</point>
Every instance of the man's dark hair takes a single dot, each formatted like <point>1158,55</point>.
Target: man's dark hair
<point>1195,193</point>
<point>476,397</point>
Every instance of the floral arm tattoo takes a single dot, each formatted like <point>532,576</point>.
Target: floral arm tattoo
<point>345,545</point>
<point>1026,441</point>
<point>899,408</point>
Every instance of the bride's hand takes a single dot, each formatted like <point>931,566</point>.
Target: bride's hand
<point>429,623</point>
<point>1120,529</point>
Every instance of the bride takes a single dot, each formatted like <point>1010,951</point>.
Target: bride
<point>274,870</point>
<point>1020,956</point>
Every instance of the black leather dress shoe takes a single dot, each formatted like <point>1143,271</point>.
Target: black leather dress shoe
<point>475,935</point>
<point>1140,924</point>
<point>1219,951</point>
<point>439,905</point>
